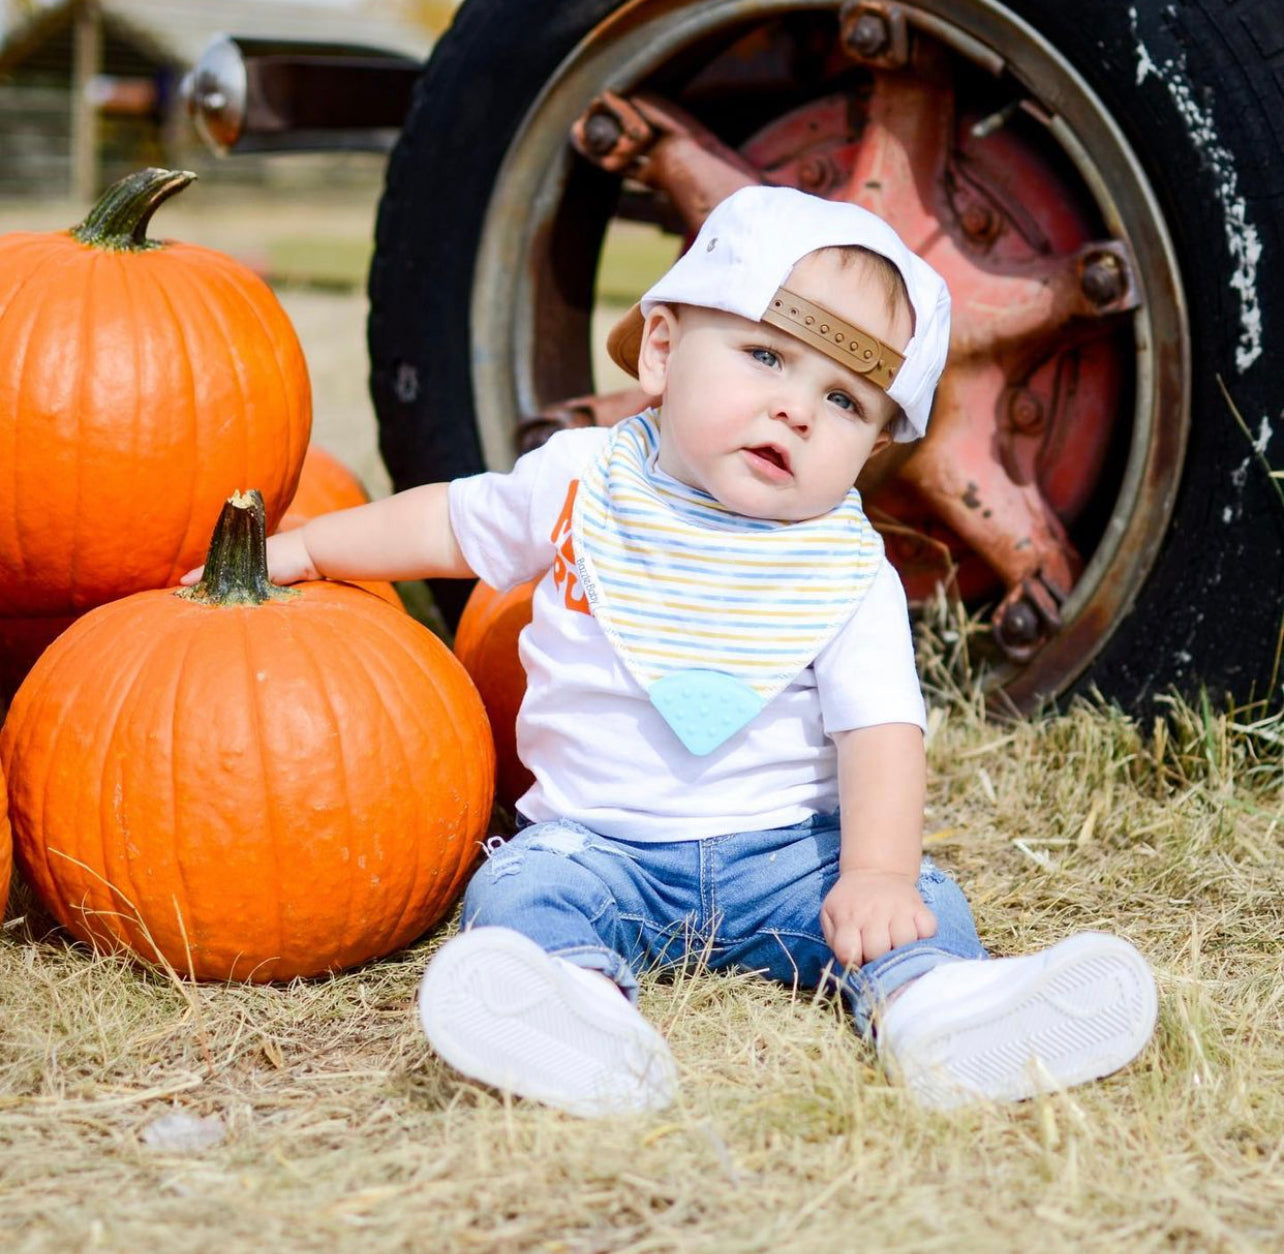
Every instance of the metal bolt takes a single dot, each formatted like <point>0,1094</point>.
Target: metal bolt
<point>1025,410</point>
<point>813,173</point>
<point>869,35</point>
<point>602,132</point>
<point>1103,279</point>
<point>978,220</point>
<point>534,431</point>
<point>1019,627</point>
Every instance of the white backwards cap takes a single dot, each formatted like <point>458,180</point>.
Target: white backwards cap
<point>742,257</point>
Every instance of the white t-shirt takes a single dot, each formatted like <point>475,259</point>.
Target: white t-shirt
<point>600,752</point>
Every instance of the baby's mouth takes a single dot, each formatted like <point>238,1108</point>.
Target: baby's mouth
<point>774,457</point>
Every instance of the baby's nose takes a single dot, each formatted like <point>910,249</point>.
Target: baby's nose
<point>793,409</point>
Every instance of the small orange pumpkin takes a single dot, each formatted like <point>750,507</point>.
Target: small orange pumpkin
<point>486,643</point>
<point>245,781</point>
<point>139,380</point>
<point>326,484</point>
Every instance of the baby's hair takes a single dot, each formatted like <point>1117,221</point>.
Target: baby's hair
<point>885,271</point>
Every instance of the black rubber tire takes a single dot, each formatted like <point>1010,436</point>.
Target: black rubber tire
<point>1206,122</point>
<point>477,86</point>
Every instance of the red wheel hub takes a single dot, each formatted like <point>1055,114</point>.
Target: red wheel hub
<point>1025,411</point>
<point>1026,408</point>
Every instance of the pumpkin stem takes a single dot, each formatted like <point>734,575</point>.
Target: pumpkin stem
<point>236,567</point>
<point>120,218</point>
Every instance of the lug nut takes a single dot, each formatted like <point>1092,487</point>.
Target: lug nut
<point>1103,279</point>
<point>534,431</point>
<point>1019,627</point>
<point>868,35</point>
<point>1025,410</point>
<point>813,174</point>
<point>978,221</point>
<point>602,132</point>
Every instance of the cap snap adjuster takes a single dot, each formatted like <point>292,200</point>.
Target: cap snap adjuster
<point>835,337</point>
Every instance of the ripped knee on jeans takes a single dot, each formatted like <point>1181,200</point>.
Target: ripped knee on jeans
<point>501,858</point>
<point>505,856</point>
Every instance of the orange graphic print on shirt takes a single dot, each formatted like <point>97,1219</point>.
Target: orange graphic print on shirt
<point>565,575</point>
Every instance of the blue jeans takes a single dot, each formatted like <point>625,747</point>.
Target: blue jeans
<point>748,900</point>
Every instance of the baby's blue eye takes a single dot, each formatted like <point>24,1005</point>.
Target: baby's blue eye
<point>765,356</point>
<point>843,401</point>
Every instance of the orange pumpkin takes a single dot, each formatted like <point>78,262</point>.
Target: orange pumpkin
<point>326,484</point>
<point>244,781</point>
<point>140,383</point>
<point>486,643</point>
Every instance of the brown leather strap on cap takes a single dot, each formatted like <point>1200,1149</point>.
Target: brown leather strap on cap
<point>846,344</point>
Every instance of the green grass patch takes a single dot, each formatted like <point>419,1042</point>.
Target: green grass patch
<point>321,261</point>
<point>633,257</point>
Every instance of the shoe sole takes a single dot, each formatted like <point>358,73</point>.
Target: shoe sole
<point>496,1007</point>
<point>1084,1013</point>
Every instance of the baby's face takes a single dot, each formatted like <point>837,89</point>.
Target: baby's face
<point>767,425</point>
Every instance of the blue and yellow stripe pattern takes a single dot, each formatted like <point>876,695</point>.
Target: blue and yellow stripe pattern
<point>719,610</point>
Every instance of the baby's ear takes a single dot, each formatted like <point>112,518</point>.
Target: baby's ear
<point>659,335</point>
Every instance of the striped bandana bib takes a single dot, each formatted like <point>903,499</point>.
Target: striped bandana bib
<point>712,613</point>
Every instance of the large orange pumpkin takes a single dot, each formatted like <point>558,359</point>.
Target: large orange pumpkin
<point>244,781</point>
<point>326,484</point>
<point>140,383</point>
<point>486,643</point>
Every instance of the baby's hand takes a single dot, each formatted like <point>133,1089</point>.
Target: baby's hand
<point>868,913</point>
<point>288,560</point>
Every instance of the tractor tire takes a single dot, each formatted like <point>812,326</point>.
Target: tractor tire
<point>1194,90</point>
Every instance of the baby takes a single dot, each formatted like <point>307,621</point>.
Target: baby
<point>722,716</point>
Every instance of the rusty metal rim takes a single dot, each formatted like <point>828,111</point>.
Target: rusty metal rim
<point>641,36</point>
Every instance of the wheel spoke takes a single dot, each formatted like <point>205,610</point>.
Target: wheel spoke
<point>661,145</point>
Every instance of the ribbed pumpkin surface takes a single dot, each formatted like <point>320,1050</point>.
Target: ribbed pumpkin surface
<point>137,390</point>
<point>253,791</point>
<point>486,644</point>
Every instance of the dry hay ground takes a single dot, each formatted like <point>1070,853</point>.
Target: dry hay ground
<point>342,1132</point>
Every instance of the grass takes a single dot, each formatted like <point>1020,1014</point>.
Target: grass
<point>336,262</point>
<point>633,257</point>
<point>340,1130</point>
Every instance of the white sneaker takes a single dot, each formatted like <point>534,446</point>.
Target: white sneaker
<point>1004,1029</point>
<point>498,1008</point>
